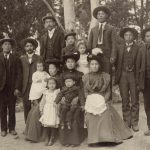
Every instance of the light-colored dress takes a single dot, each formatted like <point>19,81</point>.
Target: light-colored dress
<point>50,111</point>
<point>83,64</point>
<point>37,88</point>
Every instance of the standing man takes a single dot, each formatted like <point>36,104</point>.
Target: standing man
<point>102,37</point>
<point>125,58</point>
<point>52,41</point>
<point>29,61</point>
<point>10,85</point>
<point>143,77</point>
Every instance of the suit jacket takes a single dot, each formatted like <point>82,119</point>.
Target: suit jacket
<point>58,44</point>
<point>109,39</point>
<point>141,66</point>
<point>118,58</point>
<point>15,69</point>
<point>26,67</point>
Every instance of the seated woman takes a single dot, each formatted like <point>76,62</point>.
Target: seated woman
<point>103,122</point>
<point>34,130</point>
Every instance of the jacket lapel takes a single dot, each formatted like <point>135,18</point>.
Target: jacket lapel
<point>96,32</point>
<point>2,58</point>
<point>54,36</point>
<point>33,58</point>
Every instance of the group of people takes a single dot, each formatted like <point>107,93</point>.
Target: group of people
<point>66,90</point>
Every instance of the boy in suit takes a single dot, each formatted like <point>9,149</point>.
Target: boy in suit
<point>52,41</point>
<point>10,85</point>
<point>28,61</point>
<point>102,37</point>
<point>143,74</point>
<point>125,58</point>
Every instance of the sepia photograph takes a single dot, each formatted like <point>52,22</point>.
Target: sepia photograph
<point>74,74</point>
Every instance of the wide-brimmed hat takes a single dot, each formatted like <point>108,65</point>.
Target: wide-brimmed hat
<point>98,57</point>
<point>101,8</point>
<point>11,40</point>
<point>144,31</point>
<point>29,40</point>
<point>54,61</point>
<point>124,30</point>
<point>74,56</point>
<point>71,33</point>
<point>48,16</point>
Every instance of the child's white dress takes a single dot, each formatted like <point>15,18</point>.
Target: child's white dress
<point>83,64</point>
<point>50,111</point>
<point>37,88</point>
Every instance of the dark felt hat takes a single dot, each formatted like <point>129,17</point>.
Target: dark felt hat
<point>12,41</point>
<point>69,76</point>
<point>74,56</point>
<point>144,31</point>
<point>54,61</point>
<point>101,8</point>
<point>29,40</point>
<point>124,30</point>
<point>48,16</point>
<point>97,57</point>
<point>70,34</point>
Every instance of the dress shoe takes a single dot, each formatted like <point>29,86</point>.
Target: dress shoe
<point>3,133</point>
<point>147,133</point>
<point>13,132</point>
<point>51,142</point>
<point>135,128</point>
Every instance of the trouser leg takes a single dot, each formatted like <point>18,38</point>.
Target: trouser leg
<point>124,92</point>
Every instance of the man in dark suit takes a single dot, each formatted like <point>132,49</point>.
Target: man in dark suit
<point>143,74</point>
<point>125,58</point>
<point>102,37</point>
<point>52,41</point>
<point>29,61</point>
<point>10,85</point>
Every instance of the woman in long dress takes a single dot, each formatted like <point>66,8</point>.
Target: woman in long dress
<point>34,130</point>
<point>103,122</point>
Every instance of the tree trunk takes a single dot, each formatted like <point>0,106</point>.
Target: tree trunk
<point>94,4</point>
<point>142,15</point>
<point>69,14</point>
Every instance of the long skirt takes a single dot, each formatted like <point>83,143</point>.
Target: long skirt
<point>77,133</point>
<point>34,129</point>
<point>109,127</point>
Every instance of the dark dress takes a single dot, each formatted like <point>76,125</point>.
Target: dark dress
<point>108,125</point>
<point>34,129</point>
<point>77,133</point>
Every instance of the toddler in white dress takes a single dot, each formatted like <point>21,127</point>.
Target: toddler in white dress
<point>82,64</point>
<point>49,110</point>
<point>39,82</point>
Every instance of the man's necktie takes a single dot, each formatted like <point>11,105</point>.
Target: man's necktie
<point>100,33</point>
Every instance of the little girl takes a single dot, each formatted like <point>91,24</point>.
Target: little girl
<point>82,64</point>
<point>39,82</point>
<point>49,111</point>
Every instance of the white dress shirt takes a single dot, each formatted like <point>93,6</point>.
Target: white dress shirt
<point>30,57</point>
<point>128,45</point>
<point>50,33</point>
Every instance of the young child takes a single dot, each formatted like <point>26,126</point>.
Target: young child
<point>39,82</point>
<point>82,64</point>
<point>68,98</point>
<point>49,111</point>
<point>70,38</point>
